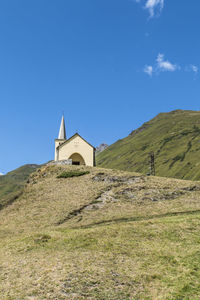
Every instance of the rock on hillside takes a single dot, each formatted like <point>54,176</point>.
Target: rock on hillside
<point>101,148</point>
<point>174,138</point>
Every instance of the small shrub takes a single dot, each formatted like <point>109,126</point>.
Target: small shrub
<point>144,147</point>
<point>196,129</point>
<point>69,174</point>
<point>42,238</point>
<point>185,132</point>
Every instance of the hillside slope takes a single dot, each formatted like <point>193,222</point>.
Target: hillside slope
<point>103,235</point>
<point>173,137</point>
<point>11,184</point>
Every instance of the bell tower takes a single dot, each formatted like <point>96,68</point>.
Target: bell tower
<point>61,138</point>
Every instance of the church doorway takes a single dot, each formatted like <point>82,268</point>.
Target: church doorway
<point>77,159</point>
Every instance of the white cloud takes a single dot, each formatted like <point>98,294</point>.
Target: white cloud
<point>194,68</point>
<point>165,65</point>
<point>148,70</point>
<point>160,65</point>
<point>1,174</point>
<point>153,6</point>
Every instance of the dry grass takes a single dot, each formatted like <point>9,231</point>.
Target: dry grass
<point>105,235</point>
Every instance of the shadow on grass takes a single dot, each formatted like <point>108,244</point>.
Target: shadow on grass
<point>136,219</point>
<point>10,201</point>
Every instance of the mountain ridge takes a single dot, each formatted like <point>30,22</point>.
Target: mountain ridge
<point>174,137</point>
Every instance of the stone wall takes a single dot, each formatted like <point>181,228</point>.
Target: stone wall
<point>61,162</point>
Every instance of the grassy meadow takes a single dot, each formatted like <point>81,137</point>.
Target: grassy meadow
<point>103,235</point>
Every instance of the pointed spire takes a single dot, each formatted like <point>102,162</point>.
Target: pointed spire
<point>62,131</point>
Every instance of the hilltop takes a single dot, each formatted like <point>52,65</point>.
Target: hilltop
<point>174,138</point>
<point>93,233</point>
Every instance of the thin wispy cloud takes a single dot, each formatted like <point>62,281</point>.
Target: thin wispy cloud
<point>148,70</point>
<point>153,6</point>
<point>194,68</point>
<point>164,65</point>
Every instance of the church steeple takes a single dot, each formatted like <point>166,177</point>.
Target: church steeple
<point>62,131</point>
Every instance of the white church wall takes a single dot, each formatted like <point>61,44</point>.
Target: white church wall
<point>57,143</point>
<point>77,145</point>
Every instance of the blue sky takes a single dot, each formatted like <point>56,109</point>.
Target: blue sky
<point>110,65</point>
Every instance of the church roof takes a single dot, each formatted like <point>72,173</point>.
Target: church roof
<point>73,136</point>
<point>62,131</point>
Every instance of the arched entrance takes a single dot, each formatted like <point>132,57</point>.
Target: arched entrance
<point>77,159</point>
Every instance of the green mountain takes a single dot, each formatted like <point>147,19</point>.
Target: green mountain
<point>174,138</point>
<point>11,184</point>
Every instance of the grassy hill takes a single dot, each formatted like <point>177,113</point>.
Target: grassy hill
<point>103,235</point>
<point>11,184</point>
<point>174,138</point>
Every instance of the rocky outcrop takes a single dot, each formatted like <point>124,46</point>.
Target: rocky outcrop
<point>101,148</point>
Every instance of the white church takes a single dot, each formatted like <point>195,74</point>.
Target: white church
<point>76,150</point>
